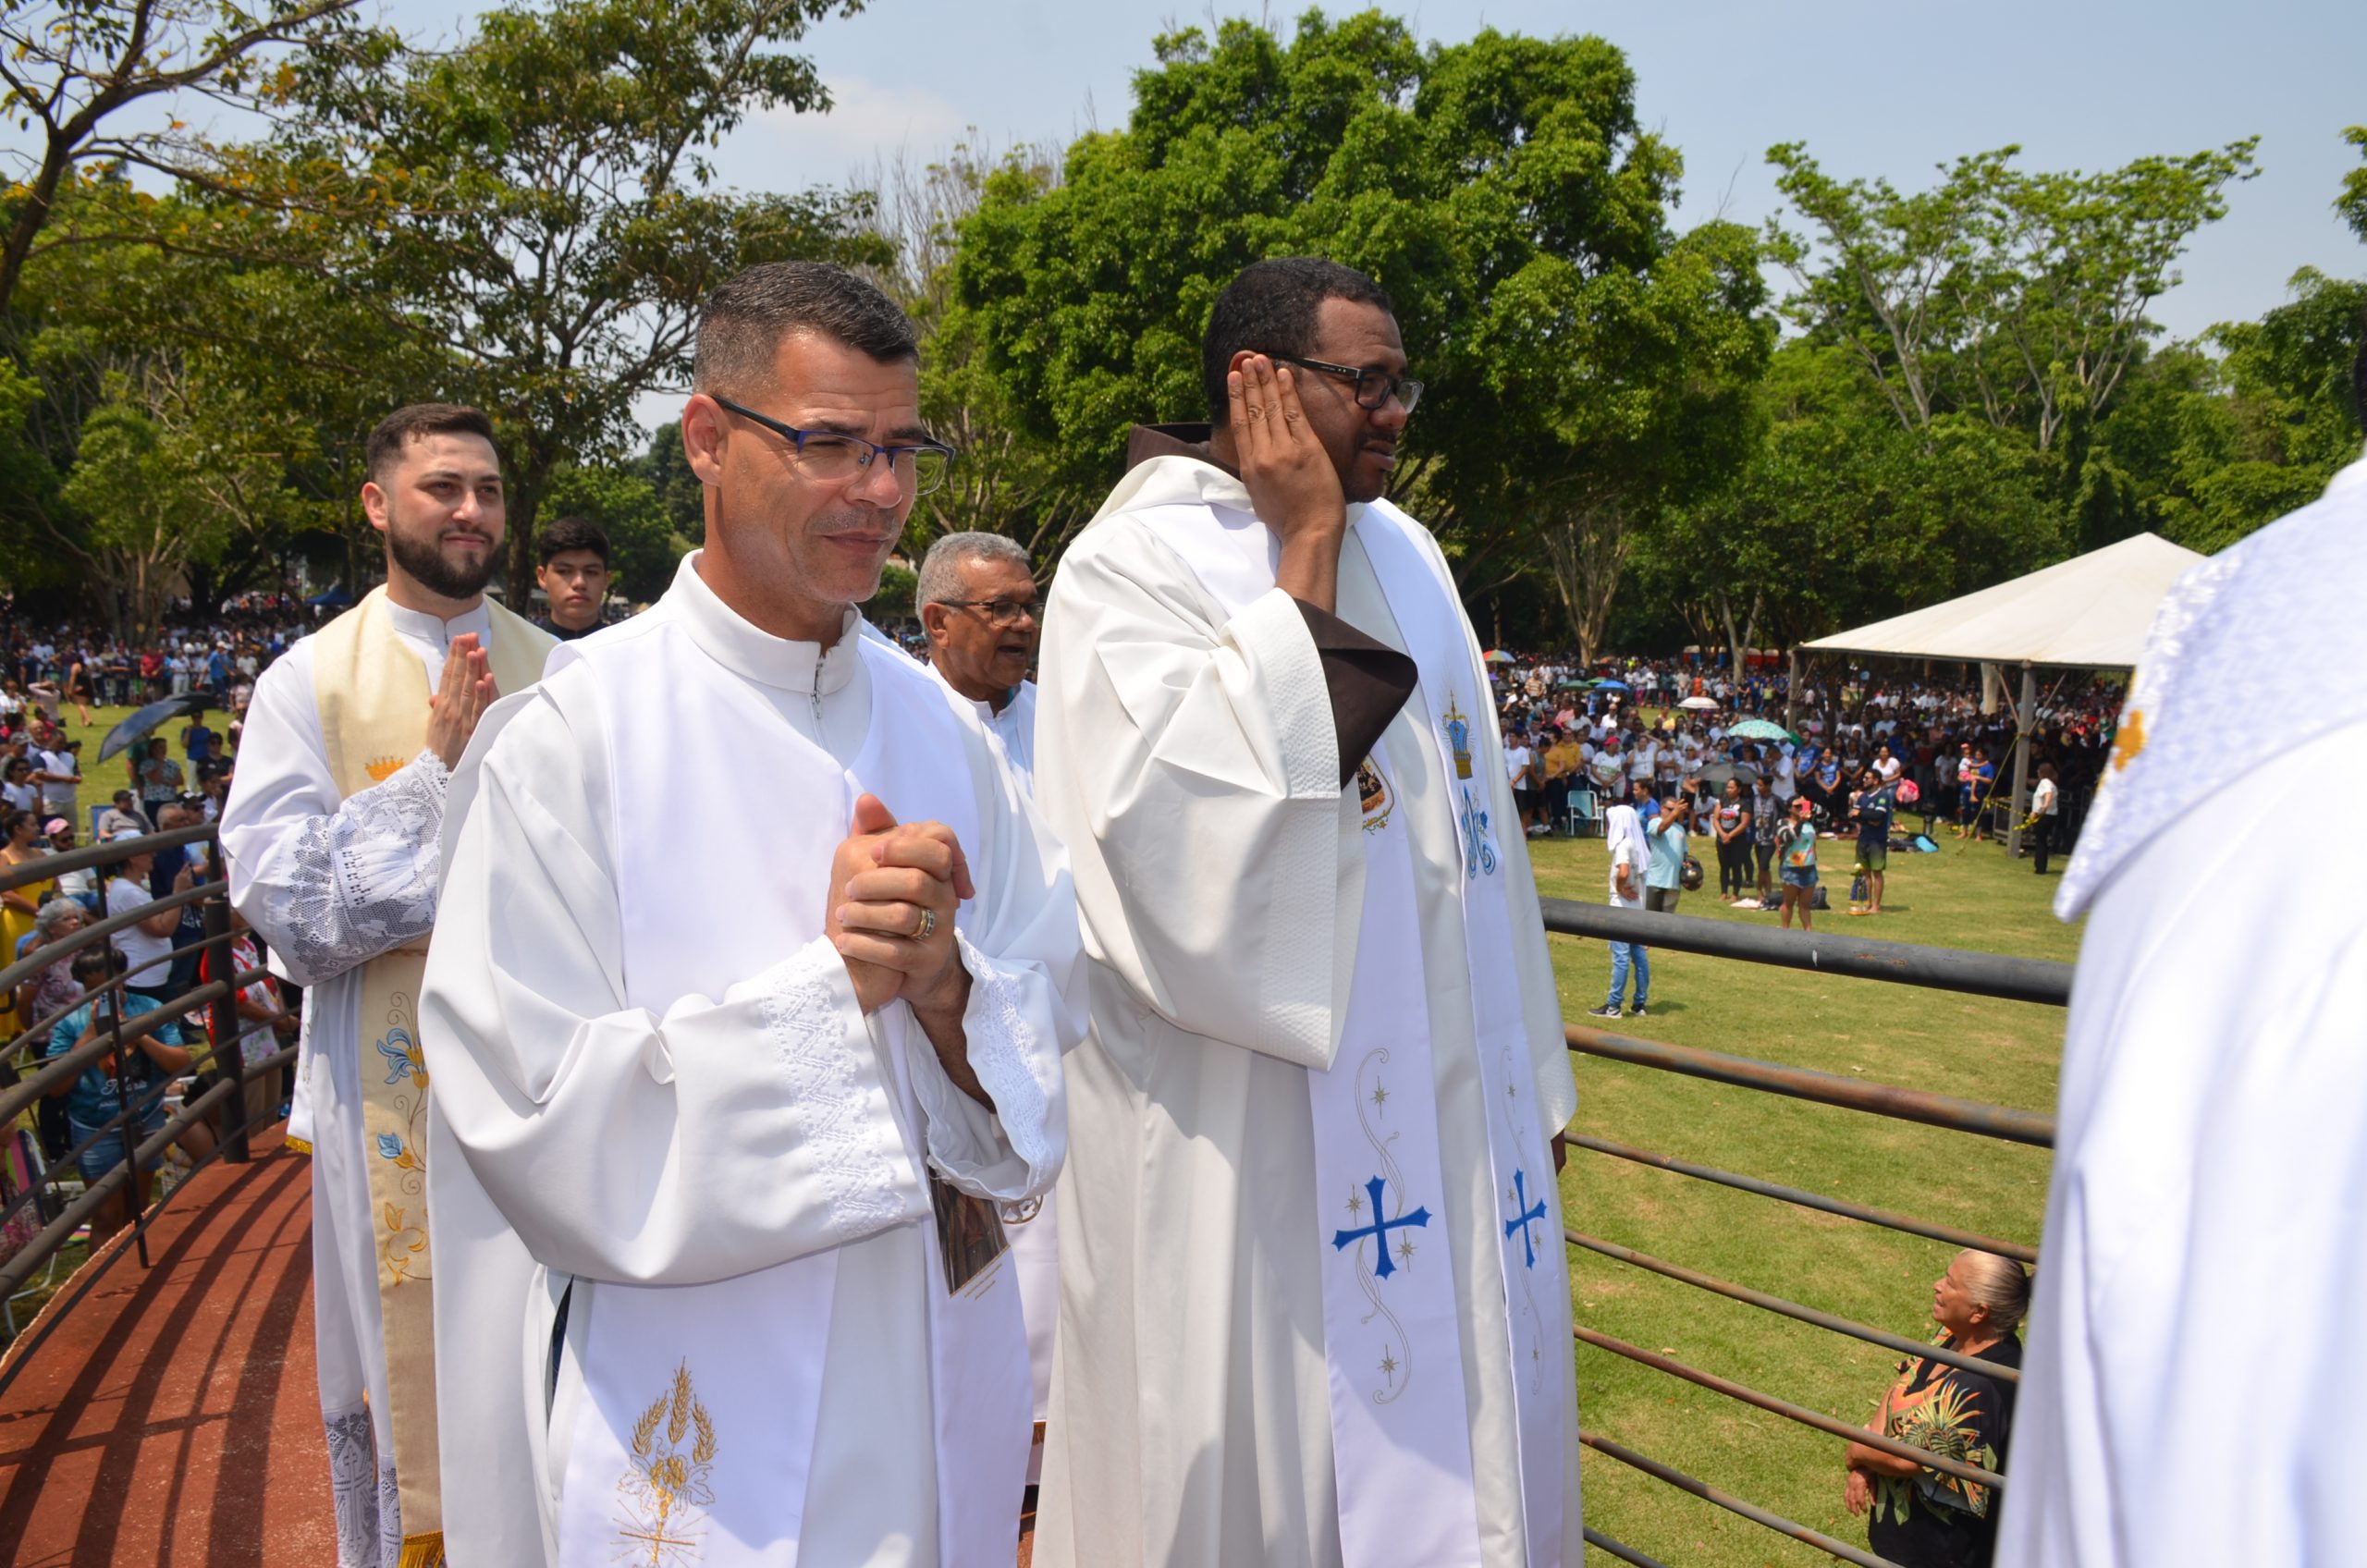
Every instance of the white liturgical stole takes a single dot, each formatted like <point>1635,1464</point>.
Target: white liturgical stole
<point>1400,1423</point>
<point>694,1439</point>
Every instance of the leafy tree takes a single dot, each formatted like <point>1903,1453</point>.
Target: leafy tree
<point>644,546</point>
<point>258,378</point>
<point>537,206</point>
<point>1006,482</point>
<point>668,469</point>
<point>2207,450</point>
<point>70,68</point>
<point>2018,296</point>
<point>1502,190</point>
<point>2353,203</point>
<point>145,526</point>
<point>1838,514</point>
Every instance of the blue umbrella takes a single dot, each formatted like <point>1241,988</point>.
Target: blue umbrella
<point>1611,685</point>
<point>136,727</point>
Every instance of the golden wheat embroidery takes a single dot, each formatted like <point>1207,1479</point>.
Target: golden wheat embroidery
<point>666,1487</point>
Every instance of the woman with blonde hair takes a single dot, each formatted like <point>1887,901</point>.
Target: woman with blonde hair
<point>1923,1518</point>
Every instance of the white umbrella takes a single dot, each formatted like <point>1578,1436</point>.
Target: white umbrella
<point>1701,705</point>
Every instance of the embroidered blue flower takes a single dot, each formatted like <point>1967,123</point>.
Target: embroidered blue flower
<point>390,1145</point>
<point>403,1058</point>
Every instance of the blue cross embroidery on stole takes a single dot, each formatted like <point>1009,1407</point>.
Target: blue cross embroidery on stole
<point>1525,1216</point>
<point>1379,1230</point>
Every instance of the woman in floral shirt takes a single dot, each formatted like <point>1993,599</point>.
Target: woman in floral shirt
<point>1921,1517</point>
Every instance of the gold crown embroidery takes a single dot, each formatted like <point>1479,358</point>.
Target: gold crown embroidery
<point>380,769</point>
<point>667,1487</point>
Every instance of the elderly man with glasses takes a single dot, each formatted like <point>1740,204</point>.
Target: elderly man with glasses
<point>979,605</point>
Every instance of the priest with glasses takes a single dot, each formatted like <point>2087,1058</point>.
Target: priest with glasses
<point>726,1120</point>
<point>1314,1308</point>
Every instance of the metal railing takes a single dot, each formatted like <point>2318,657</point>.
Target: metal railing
<point>1984,974</point>
<point>30,1073</point>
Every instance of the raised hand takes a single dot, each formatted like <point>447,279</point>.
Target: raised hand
<point>1294,486</point>
<point>460,699</point>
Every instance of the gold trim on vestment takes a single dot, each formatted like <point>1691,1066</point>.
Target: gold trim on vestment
<point>372,694</point>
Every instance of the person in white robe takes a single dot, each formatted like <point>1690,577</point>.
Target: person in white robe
<point>2195,1331</point>
<point>329,839</point>
<point>981,610</point>
<point>1315,1308</point>
<point>724,1113</point>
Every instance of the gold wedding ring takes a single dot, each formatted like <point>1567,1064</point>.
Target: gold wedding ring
<point>928,923</point>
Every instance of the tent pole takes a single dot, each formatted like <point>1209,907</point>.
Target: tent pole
<point>2024,719</point>
<point>1792,687</point>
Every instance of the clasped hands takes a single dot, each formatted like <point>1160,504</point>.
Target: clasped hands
<point>894,890</point>
<point>460,699</point>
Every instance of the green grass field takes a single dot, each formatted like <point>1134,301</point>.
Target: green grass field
<point>2006,1053</point>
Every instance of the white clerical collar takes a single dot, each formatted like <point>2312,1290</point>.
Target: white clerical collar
<point>748,651</point>
<point>421,626</point>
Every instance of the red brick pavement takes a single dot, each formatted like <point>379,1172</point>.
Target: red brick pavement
<point>171,1419</point>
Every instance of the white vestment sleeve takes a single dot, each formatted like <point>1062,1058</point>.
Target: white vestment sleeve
<point>734,1133</point>
<point>1028,1005</point>
<point>1193,769</point>
<point>328,883</point>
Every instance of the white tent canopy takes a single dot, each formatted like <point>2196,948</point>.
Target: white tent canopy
<point>2090,612</point>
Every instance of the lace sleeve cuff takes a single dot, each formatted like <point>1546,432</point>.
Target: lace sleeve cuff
<point>814,1029</point>
<point>365,877</point>
<point>1014,1151</point>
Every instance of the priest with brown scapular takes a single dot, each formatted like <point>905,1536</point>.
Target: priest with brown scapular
<point>1314,1308</point>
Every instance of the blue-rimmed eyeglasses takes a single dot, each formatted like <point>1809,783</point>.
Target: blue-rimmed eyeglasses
<point>828,457</point>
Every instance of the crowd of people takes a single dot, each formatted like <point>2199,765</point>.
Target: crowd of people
<point>169,781</point>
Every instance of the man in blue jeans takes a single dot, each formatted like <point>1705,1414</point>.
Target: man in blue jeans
<point>1630,857</point>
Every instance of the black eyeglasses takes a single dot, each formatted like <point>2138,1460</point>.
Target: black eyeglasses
<point>828,457</point>
<point>1000,612</point>
<point>1374,387</point>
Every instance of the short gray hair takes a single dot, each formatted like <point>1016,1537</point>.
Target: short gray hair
<point>55,913</point>
<point>940,580</point>
<point>748,315</point>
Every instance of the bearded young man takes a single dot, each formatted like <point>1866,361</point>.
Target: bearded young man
<point>726,1119</point>
<point>1313,1310</point>
<point>330,840</point>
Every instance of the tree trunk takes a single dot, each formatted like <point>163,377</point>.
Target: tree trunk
<point>531,478</point>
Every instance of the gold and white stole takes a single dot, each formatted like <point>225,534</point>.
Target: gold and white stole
<point>1400,1422</point>
<point>372,694</point>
